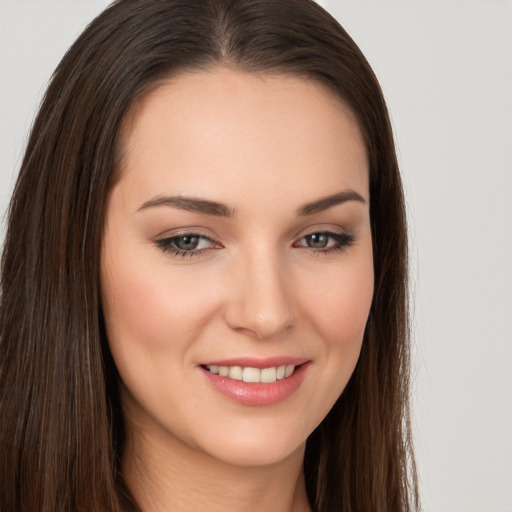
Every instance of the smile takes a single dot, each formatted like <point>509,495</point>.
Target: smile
<point>248,374</point>
<point>256,382</point>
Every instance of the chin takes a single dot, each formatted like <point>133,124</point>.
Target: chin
<point>263,449</point>
<point>258,456</point>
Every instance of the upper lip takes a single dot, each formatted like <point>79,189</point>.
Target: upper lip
<point>255,362</point>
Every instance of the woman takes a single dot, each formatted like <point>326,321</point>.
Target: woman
<point>204,275</point>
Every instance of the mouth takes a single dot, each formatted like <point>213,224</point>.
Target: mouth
<point>250,374</point>
<point>256,382</point>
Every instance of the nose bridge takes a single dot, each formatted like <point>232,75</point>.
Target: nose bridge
<point>262,305</point>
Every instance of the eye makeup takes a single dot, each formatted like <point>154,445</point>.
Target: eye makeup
<point>189,245</point>
<point>186,245</point>
<point>326,241</point>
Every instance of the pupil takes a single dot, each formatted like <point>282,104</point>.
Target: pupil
<point>318,241</point>
<point>187,243</point>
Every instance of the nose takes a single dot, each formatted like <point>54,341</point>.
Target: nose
<point>260,303</point>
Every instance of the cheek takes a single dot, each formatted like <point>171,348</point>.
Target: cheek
<point>152,309</point>
<point>142,306</point>
<point>339,307</point>
<point>339,312</point>
<point>152,319</point>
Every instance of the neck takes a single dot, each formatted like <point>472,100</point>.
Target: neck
<point>173,476</point>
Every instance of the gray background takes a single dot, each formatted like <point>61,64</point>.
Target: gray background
<point>446,70</point>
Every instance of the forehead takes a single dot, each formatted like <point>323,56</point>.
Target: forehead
<point>267,133</point>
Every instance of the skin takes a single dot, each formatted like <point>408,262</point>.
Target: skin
<point>264,146</point>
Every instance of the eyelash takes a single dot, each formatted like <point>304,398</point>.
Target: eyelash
<point>342,240</point>
<point>166,246</point>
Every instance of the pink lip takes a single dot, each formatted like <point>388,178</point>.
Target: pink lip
<point>256,393</point>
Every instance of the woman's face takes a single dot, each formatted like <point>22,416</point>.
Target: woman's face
<point>237,246</point>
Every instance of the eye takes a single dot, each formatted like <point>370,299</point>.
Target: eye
<point>325,241</point>
<point>187,244</point>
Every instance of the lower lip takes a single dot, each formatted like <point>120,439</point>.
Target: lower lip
<point>256,393</point>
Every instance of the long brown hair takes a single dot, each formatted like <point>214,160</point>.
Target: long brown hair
<point>61,432</point>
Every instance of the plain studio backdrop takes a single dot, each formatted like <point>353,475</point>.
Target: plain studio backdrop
<point>446,70</point>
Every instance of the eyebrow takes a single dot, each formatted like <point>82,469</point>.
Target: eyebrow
<point>325,203</point>
<point>191,204</point>
<point>206,207</point>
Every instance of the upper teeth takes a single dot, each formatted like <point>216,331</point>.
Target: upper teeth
<point>265,375</point>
